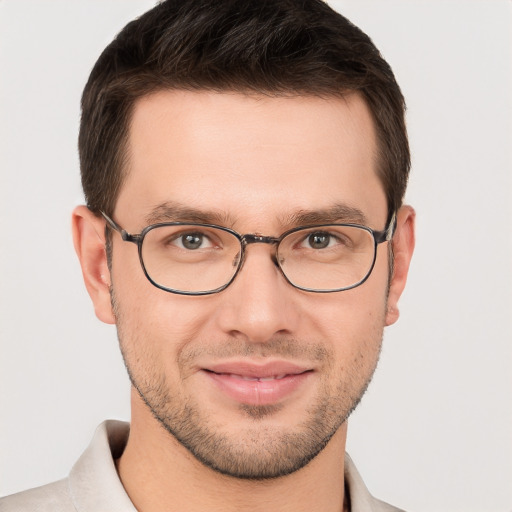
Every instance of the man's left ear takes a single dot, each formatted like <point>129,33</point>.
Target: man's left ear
<point>403,247</point>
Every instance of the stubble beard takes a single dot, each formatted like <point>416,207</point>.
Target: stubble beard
<point>260,451</point>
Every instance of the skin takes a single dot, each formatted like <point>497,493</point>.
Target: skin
<point>254,162</point>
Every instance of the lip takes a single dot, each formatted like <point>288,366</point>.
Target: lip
<point>254,384</point>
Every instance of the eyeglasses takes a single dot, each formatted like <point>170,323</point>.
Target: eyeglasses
<point>200,259</point>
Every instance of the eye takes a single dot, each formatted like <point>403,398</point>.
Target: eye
<point>320,240</point>
<point>192,241</point>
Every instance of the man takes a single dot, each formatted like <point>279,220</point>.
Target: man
<point>256,155</point>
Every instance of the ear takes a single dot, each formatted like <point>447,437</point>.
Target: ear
<point>403,247</point>
<point>89,241</point>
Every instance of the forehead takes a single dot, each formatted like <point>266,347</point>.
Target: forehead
<point>250,157</point>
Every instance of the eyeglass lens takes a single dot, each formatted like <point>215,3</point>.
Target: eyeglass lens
<point>191,258</point>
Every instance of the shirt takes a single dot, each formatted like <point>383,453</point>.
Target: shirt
<point>93,484</point>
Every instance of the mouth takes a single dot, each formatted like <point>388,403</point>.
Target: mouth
<point>251,384</point>
<point>259,379</point>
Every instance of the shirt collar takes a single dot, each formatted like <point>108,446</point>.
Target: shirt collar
<point>95,485</point>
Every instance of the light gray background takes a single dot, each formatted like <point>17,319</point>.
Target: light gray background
<point>434,431</point>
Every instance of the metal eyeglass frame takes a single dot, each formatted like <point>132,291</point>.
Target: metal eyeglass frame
<point>378,237</point>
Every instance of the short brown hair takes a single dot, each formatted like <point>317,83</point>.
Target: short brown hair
<point>272,47</point>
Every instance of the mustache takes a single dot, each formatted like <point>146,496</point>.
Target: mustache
<point>286,347</point>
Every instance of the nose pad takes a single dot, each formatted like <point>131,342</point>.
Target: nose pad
<point>236,259</point>
<point>241,254</point>
<point>273,257</point>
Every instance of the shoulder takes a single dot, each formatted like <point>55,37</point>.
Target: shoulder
<point>54,497</point>
<point>92,484</point>
<point>360,498</point>
<point>381,506</point>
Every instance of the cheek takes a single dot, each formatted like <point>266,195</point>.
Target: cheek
<point>155,326</point>
<point>352,322</point>
<point>150,309</point>
<point>353,312</point>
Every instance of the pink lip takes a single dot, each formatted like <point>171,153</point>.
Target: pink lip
<point>253,384</point>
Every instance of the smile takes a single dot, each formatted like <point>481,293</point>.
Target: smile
<point>258,385</point>
<point>259,379</point>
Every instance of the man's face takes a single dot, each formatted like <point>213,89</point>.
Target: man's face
<point>256,379</point>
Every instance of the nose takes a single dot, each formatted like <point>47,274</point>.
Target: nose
<point>259,304</point>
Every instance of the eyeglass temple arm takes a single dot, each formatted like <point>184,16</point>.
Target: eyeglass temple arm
<point>116,227</point>
<point>387,234</point>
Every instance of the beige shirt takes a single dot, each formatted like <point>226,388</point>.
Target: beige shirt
<point>94,486</point>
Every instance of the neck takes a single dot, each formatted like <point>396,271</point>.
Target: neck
<point>158,472</point>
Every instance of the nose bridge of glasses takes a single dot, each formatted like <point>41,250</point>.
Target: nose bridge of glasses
<point>259,239</point>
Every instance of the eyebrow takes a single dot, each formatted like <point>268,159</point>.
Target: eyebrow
<point>338,213</point>
<point>171,211</point>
